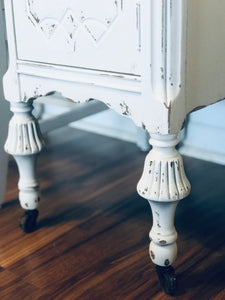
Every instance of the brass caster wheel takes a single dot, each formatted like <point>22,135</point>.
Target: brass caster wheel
<point>167,279</point>
<point>29,220</point>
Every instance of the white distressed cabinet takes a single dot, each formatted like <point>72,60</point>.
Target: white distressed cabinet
<point>152,60</point>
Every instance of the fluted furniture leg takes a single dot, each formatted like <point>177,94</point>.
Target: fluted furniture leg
<point>24,142</point>
<point>163,184</point>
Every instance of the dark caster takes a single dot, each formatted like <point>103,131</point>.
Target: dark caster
<point>167,279</point>
<point>29,220</point>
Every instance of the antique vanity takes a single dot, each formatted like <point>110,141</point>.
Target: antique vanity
<point>153,61</point>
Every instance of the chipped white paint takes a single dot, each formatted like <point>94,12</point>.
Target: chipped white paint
<point>88,14</point>
<point>166,47</point>
<point>151,60</point>
<point>163,183</point>
<point>163,235</point>
<point>163,178</point>
<point>24,142</point>
<point>24,136</point>
<point>80,33</point>
<point>29,195</point>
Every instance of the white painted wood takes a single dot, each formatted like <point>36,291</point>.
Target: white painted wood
<point>24,142</point>
<point>24,136</point>
<point>152,61</point>
<point>80,33</point>
<point>163,183</point>
<point>29,194</point>
<point>163,235</point>
<point>163,177</point>
<point>167,63</point>
<point>81,85</point>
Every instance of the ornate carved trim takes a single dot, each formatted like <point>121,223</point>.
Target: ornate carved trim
<point>163,178</point>
<point>24,136</point>
<point>96,17</point>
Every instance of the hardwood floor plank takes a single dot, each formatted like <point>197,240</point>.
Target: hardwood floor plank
<point>92,236</point>
<point>12,287</point>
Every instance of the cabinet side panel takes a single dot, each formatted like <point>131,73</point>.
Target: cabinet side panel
<point>205,70</point>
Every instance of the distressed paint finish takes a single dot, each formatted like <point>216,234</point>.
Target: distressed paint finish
<point>155,85</point>
<point>166,49</point>
<point>163,183</point>
<point>163,178</point>
<point>146,59</point>
<point>24,142</point>
<point>24,136</point>
<point>83,13</point>
<point>80,33</point>
<point>163,235</point>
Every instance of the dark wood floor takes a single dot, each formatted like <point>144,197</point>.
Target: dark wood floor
<point>92,236</point>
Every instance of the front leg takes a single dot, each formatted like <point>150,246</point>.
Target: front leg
<point>24,142</point>
<point>163,184</point>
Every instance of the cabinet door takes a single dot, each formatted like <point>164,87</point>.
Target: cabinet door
<point>93,34</point>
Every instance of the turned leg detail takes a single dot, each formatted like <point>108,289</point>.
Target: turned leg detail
<point>24,142</point>
<point>163,184</point>
<point>28,185</point>
<point>163,177</point>
<point>163,236</point>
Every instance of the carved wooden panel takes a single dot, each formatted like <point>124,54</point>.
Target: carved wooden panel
<point>93,34</point>
<point>97,22</point>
